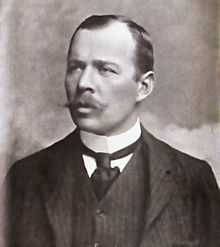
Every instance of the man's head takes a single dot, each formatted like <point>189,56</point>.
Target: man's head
<point>144,60</point>
<point>109,71</point>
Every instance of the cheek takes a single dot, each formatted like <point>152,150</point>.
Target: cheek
<point>70,87</point>
<point>125,94</point>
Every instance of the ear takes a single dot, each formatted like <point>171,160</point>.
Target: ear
<point>145,86</point>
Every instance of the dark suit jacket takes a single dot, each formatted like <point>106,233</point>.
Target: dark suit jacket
<point>183,207</point>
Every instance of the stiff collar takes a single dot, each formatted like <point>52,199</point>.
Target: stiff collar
<point>110,144</point>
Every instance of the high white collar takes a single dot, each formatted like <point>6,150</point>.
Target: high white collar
<point>110,144</point>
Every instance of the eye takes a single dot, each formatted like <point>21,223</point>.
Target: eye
<point>74,67</point>
<point>106,69</point>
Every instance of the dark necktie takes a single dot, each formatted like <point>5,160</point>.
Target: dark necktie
<point>104,175</point>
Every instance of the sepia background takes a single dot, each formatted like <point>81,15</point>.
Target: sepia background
<point>183,109</point>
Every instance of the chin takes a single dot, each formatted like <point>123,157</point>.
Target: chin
<point>89,125</point>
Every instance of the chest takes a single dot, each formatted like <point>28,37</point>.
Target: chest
<point>118,218</point>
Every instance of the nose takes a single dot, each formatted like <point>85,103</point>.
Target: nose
<point>86,79</point>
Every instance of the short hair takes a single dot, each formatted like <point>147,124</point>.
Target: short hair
<point>144,60</point>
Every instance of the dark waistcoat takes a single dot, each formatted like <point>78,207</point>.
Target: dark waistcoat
<point>118,219</point>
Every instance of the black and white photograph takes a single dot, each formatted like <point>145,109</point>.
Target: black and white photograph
<point>110,123</point>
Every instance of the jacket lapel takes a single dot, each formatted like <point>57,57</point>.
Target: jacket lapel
<point>58,191</point>
<point>161,175</point>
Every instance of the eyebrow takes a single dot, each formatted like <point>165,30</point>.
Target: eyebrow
<point>75,61</point>
<point>105,62</point>
<point>97,62</point>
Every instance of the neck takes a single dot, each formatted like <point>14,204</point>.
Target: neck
<point>109,144</point>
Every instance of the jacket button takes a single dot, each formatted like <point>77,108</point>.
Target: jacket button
<point>99,212</point>
<point>96,244</point>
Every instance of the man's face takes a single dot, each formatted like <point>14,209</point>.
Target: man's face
<point>100,80</point>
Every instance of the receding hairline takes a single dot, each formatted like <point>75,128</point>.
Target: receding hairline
<point>110,20</point>
<point>141,37</point>
<point>99,22</point>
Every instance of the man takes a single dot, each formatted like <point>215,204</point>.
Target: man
<point>110,182</point>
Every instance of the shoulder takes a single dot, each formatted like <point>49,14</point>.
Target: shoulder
<point>191,170</point>
<point>37,165</point>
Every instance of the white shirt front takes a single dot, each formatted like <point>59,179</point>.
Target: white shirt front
<point>109,144</point>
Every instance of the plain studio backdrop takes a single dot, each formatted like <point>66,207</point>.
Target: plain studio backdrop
<point>183,109</point>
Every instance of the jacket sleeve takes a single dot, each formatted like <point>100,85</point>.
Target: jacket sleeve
<point>208,207</point>
<point>27,223</point>
<point>214,197</point>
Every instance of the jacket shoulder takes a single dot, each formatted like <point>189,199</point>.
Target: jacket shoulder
<point>191,169</point>
<point>37,165</point>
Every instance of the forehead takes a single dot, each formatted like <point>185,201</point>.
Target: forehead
<point>112,41</point>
